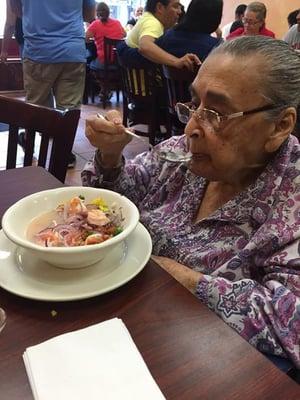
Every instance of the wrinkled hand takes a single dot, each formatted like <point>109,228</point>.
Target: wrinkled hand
<point>184,275</point>
<point>108,135</point>
<point>189,61</point>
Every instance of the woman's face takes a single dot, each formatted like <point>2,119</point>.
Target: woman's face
<point>252,24</point>
<point>232,153</point>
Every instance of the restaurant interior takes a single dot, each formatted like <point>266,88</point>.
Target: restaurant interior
<point>139,321</point>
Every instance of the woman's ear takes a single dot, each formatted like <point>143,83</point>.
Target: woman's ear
<point>283,127</point>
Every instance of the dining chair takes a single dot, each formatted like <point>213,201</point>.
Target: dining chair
<point>57,129</point>
<point>144,100</point>
<point>107,79</point>
<point>178,82</point>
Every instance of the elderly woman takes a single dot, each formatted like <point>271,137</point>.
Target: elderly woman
<point>254,22</point>
<point>227,224</point>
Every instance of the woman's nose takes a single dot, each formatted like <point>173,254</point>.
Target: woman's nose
<point>194,129</point>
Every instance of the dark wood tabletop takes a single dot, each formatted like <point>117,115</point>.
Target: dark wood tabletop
<point>191,353</point>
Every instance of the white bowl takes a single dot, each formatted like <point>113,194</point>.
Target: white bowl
<point>17,218</point>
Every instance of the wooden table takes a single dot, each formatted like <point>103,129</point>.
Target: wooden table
<point>190,352</point>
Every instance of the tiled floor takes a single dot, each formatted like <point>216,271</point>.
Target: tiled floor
<point>82,148</point>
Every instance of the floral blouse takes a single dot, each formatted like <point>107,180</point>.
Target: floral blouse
<point>248,249</point>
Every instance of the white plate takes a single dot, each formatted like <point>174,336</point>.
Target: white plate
<point>33,278</point>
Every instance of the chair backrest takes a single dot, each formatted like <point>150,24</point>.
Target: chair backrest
<point>109,45</point>
<point>139,84</point>
<point>178,82</point>
<point>58,127</point>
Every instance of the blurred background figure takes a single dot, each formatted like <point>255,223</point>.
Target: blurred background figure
<point>292,18</point>
<point>253,21</point>
<point>239,15</point>
<point>293,35</point>
<point>134,18</point>
<point>140,46</point>
<point>103,26</point>
<point>54,55</point>
<point>13,26</point>
<point>180,18</point>
<point>193,33</point>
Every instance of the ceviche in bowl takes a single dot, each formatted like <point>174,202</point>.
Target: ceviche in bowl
<point>70,227</point>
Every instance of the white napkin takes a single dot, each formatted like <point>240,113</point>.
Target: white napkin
<point>98,362</point>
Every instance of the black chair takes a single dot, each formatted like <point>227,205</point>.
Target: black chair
<point>107,79</point>
<point>57,129</point>
<point>178,82</point>
<point>144,100</point>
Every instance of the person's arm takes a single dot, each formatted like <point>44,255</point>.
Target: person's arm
<point>89,35</point>
<point>88,10</point>
<point>184,275</point>
<point>9,29</point>
<point>150,50</point>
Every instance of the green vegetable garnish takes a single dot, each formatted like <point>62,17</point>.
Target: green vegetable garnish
<point>118,230</point>
<point>81,197</point>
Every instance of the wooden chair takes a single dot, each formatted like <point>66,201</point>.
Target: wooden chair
<point>59,126</point>
<point>109,78</point>
<point>178,82</point>
<point>143,100</point>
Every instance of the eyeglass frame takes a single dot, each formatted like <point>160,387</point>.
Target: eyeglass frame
<point>219,117</point>
<point>250,22</point>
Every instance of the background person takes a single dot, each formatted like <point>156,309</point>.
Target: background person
<point>193,33</point>
<point>239,15</point>
<point>13,26</point>
<point>102,27</point>
<point>227,225</point>
<point>292,18</point>
<point>293,35</point>
<point>140,47</point>
<point>253,22</point>
<point>133,20</point>
<point>54,53</point>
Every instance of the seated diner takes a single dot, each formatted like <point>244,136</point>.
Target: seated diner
<point>226,224</point>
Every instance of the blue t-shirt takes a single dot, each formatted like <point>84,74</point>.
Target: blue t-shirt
<point>53,30</point>
<point>179,43</point>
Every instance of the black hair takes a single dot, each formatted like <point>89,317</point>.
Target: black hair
<point>202,16</point>
<point>151,5</point>
<point>240,10</point>
<point>292,20</point>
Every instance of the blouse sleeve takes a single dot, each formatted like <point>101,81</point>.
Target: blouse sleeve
<point>266,311</point>
<point>132,178</point>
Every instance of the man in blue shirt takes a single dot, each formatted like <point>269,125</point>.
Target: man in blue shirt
<point>54,53</point>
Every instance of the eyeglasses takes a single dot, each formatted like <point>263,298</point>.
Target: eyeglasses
<point>213,118</point>
<point>249,21</point>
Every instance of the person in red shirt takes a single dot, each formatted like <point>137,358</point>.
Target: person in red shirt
<point>253,21</point>
<point>102,27</point>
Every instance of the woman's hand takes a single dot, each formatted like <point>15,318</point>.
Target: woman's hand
<point>189,61</point>
<point>109,136</point>
<point>184,275</point>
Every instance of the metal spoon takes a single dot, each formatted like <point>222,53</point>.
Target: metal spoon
<point>169,155</point>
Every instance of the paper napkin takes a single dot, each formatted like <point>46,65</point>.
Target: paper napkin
<point>98,362</point>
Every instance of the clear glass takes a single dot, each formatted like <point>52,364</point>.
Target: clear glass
<point>2,319</point>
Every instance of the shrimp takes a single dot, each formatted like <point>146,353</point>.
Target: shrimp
<point>96,238</point>
<point>75,206</point>
<point>97,217</point>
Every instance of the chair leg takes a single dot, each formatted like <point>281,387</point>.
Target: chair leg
<point>118,95</point>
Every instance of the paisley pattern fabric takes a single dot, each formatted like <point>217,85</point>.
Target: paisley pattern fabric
<point>248,249</point>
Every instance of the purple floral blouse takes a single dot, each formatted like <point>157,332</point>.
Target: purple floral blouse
<point>248,249</point>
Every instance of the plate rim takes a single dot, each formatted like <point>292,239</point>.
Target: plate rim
<point>140,230</point>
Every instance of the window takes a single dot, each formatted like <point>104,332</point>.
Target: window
<point>2,16</point>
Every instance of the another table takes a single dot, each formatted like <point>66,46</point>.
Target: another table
<point>190,352</point>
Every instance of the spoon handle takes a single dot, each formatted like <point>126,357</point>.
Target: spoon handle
<point>128,132</point>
